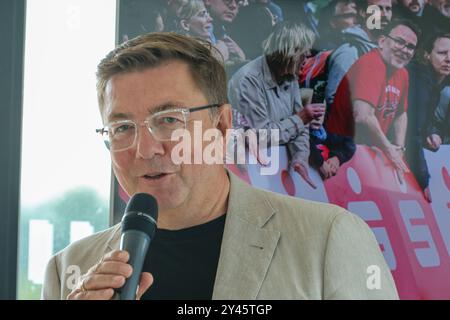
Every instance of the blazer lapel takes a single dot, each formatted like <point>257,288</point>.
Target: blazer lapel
<point>247,249</point>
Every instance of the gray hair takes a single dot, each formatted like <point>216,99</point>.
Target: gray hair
<point>287,39</point>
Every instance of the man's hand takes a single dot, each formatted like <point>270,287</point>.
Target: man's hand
<point>233,48</point>
<point>302,170</point>
<point>315,124</point>
<point>434,141</point>
<point>311,111</point>
<point>109,274</point>
<point>223,49</point>
<point>256,152</point>
<point>427,194</point>
<point>325,171</point>
<point>334,164</point>
<point>394,154</point>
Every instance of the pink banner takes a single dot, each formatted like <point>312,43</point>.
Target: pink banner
<point>414,236</point>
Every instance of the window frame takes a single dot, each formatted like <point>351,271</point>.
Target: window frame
<point>12,18</point>
<point>117,205</point>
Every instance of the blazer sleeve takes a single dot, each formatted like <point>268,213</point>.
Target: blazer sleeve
<point>51,289</point>
<point>351,255</point>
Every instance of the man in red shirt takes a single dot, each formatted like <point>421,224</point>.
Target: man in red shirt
<point>372,96</point>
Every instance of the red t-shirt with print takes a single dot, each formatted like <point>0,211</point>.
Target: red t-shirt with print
<point>367,80</point>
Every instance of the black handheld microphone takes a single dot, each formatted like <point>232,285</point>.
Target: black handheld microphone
<point>138,230</point>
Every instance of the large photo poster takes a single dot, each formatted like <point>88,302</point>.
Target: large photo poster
<point>361,106</point>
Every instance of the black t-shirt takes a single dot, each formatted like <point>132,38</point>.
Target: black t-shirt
<point>184,262</point>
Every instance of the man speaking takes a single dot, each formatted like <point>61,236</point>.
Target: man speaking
<point>216,237</point>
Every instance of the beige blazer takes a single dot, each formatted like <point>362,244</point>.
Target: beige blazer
<point>273,247</point>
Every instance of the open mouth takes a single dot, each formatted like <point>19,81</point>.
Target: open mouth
<point>155,177</point>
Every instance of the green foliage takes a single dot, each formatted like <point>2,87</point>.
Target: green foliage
<point>26,289</point>
<point>78,204</point>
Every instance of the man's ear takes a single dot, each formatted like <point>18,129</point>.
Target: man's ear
<point>224,124</point>
<point>224,118</point>
<point>426,55</point>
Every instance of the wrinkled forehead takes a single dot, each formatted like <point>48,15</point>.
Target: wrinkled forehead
<point>142,92</point>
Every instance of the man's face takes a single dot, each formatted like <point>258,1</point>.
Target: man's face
<point>394,47</point>
<point>415,6</point>
<point>440,57</point>
<point>443,6</point>
<point>223,10</point>
<point>345,14</point>
<point>385,7</point>
<point>290,71</point>
<point>147,166</point>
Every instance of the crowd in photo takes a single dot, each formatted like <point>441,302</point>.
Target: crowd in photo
<point>329,74</point>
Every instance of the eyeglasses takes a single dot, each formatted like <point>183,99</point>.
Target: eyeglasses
<point>122,134</point>
<point>401,44</point>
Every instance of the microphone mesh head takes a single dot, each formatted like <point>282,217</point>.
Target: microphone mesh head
<point>141,214</point>
<point>143,202</point>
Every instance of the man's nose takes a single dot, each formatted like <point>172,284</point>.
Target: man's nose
<point>146,144</point>
<point>407,51</point>
<point>447,57</point>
